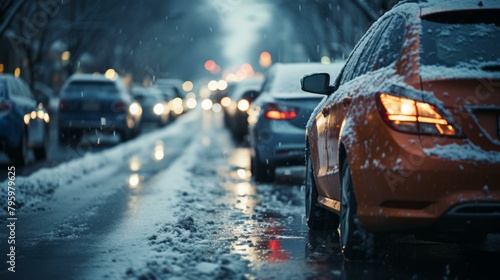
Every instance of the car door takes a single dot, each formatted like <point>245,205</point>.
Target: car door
<point>361,63</point>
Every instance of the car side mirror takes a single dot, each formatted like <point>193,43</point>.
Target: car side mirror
<point>317,83</point>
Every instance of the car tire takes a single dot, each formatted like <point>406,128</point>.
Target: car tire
<point>19,156</point>
<point>356,242</point>
<point>261,172</point>
<point>317,218</point>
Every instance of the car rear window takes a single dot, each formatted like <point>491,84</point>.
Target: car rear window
<point>92,88</point>
<point>461,39</point>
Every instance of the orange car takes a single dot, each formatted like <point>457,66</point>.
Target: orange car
<point>408,138</point>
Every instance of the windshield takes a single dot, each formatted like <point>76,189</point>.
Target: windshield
<point>461,40</point>
<point>93,88</point>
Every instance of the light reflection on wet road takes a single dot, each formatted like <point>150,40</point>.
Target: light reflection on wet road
<point>276,241</point>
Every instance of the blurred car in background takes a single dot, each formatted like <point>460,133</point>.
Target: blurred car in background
<point>154,108</point>
<point>235,113</point>
<point>95,103</point>
<point>46,96</point>
<point>24,122</point>
<point>278,117</point>
<point>408,139</point>
<point>177,104</point>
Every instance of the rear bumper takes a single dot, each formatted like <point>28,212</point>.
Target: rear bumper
<point>471,217</point>
<point>279,142</point>
<point>104,122</point>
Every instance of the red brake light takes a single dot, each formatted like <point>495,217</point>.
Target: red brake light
<point>279,112</point>
<point>413,116</point>
<point>5,106</point>
<point>119,106</point>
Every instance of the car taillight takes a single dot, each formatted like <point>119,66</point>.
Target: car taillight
<point>408,115</point>
<point>5,106</point>
<point>62,105</point>
<point>280,112</point>
<point>119,106</point>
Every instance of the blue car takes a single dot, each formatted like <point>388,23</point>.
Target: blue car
<point>24,123</point>
<point>95,103</point>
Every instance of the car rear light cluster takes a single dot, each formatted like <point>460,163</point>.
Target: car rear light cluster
<point>62,106</point>
<point>119,106</point>
<point>280,112</point>
<point>408,115</point>
<point>5,106</point>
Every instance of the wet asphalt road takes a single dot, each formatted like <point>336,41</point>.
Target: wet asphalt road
<point>265,222</point>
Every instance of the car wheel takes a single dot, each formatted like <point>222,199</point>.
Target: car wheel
<point>20,154</point>
<point>261,172</point>
<point>317,217</point>
<point>356,242</point>
<point>41,152</point>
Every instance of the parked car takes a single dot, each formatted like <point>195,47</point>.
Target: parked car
<point>235,114</point>
<point>24,122</point>
<point>177,104</point>
<point>408,138</point>
<point>93,102</point>
<point>278,117</point>
<point>154,108</point>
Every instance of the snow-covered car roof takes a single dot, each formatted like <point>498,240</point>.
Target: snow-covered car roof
<point>428,7</point>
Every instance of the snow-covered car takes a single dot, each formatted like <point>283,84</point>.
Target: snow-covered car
<point>24,122</point>
<point>235,113</point>
<point>408,138</point>
<point>177,104</point>
<point>278,117</point>
<point>93,102</point>
<point>154,108</point>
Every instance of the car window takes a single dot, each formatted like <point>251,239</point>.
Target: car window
<point>467,39</point>
<point>367,59</point>
<point>349,70</point>
<point>266,87</point>
<point>391,41</point>
<point>14,89</point>
<point>92,88</point>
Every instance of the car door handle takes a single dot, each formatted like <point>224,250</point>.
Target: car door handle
<point>325,112</point>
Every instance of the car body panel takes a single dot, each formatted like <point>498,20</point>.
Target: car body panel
<point>23,115</point>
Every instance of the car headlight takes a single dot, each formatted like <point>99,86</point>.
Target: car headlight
<point>158,109</point>
<point>243,105</point>
<point>135,109</point>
